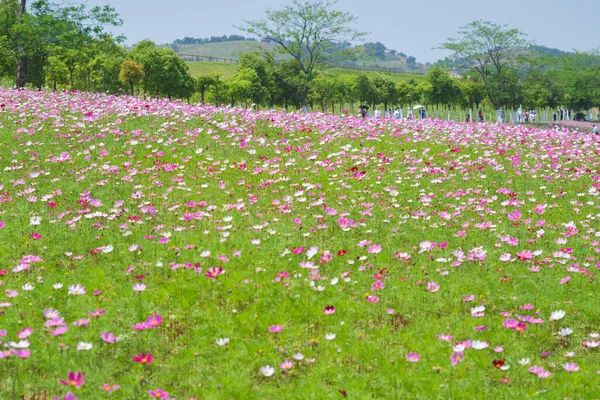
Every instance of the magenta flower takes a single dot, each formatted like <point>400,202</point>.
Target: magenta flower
<point>372,299</point>
<point>143,358</point>
<point>153,321</point>
<point>275,328</point>
<point>107,387</point>
<point>456,358</point>
<point>74,379</point>
<point>329,310</point>
<point>214,272</point>
<point>515,215</point>
<point>158,394</point>
<point>413,357</point>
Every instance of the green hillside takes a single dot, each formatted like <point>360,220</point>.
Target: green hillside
<point>234,49</point>
<point>227,70</point>
<point>222,49</point>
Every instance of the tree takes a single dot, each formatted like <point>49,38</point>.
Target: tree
<point>203,83</point>
<point>165,73</point>
<point>30,34</point>
<point>131,73</point>
<point>306,31</point>
<point>487,48</point>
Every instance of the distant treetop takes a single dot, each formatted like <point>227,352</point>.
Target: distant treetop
<point>212,39</point>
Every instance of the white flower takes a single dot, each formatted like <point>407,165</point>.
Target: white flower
<point>57,286</point>
<point>27,287</point>
<point>569,354</point>
<point>330,336</point>
<point>35,221</point>
<point>139,287</point>
<point>480,345</point>
<point>594,335</point>
<point>84,346</point>
<point>524,361</point>
<point>77,289</point>
<point>458,348</point>
<point>505,367</point>
<point>222,341</point>
<point>107,249</point>
<point>565,332</point>
<point>21,344</point>
<point>334,281</point>
<point>298,356</point>
<point>477,310</point>
<point>267,370</point>
<point>556,315</point>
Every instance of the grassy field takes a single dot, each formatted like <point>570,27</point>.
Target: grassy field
<point>156,249</point>
<point>227,70</point>
<point>235,49</point>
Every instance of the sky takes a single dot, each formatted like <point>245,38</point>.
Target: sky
<point>404,26</point>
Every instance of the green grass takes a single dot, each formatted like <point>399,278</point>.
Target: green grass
<point>158,193</point>
<point>228,70</point>
<point>203,68</point>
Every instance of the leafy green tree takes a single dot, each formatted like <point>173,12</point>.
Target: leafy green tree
<point>131,73</point>
<point>203,83</point>
<point>165,73</point>
<point>308,32</point>
<point>489,49</point>
<point>29,35</point>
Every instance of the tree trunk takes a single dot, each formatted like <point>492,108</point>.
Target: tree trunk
<point>21,57</point>
<point>71,79</point>
<point>131,87</point>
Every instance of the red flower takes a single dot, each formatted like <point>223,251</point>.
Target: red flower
<point>143,358</point>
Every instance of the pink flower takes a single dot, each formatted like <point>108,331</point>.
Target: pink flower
<point>456,358</point>
<point>275,328</point>
<point>285,365</point>
<point>372,299</point>
<point>374,249</point>
<point>515,215</point>
<point>432,287</point>
<point>74,379</point>
<point>570,367</point>
<point>158,394</point>
<point>413,357</point>
<point>110,337</point>
<point>565,279</point>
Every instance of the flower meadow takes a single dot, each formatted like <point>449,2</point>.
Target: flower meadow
<point>156,249</point>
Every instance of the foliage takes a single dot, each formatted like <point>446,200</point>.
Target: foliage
<point>306,31</point>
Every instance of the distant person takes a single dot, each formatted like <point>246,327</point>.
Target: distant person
<point>377,113</point>
<point>480,115</point>
<point>595,130</point>
<point>468,119</point>
<point>422,113</point>
<point>397,113</point>
<point>363,113</point>
<point>409,114</point>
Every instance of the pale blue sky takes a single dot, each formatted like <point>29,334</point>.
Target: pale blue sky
<point>404,26</point>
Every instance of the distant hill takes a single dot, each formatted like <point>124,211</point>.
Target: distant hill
<point>233,49</point>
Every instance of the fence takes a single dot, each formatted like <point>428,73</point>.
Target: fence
<point>205,58</point>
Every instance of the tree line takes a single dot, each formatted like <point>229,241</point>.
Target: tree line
<point>46,45</point>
